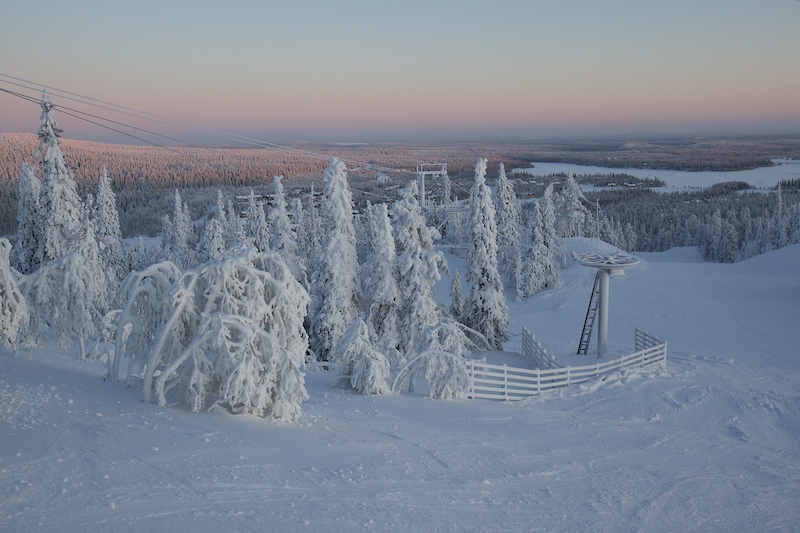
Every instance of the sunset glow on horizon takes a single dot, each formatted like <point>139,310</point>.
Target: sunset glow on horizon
<point>359,70</point>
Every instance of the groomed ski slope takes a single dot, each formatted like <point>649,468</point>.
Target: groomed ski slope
<point>709,444</point>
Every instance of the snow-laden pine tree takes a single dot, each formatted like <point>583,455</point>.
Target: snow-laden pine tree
<point>23,256</point>
<point>550,236</point>
<point>13,307</point>
<point>418,268</point>
<point>456,297</point>
<point>61,297</point>
<point>138,257</point>
<point>104,280</point>
<point>212,240</point>
<point>507,214</point>
<point>298,217</point>
<point>282,235</point>
<point>311,232</point>
<point>433,344</point>
<point>574,212</point>
<point>167,236</point>
<point>234,232</point>
<point>182,234</point>
<point>361,366</point>
<point>256,227</point>
<point>536,270</point>
<point>221,216</point>
<point>59,204</point>
<point>485,307</point>
<point>336,291</point>
<point>378,279</point>
<point>108,231</point>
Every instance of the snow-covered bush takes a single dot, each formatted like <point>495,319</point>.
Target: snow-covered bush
<point>13,308</point>
<point>230,333</point>
<point>361,366</point>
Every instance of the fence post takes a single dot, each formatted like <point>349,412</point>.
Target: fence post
<point>505,383</point>
<point>538,382</point>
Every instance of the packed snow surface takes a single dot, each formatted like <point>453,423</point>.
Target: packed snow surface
<point>709,444</point>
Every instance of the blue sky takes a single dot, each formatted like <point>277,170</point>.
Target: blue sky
<point>373,70</point>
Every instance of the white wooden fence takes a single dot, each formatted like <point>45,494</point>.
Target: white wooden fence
<point>501,382</point>
<point>535,352</point>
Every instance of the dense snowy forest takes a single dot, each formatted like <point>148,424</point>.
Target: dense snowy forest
<point>225,309</point>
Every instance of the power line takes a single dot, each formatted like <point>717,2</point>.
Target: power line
<point>144,115</point>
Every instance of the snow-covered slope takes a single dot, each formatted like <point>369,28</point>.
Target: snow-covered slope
<point>710,444</point>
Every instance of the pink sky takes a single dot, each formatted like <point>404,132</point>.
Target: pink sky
<point>357,70</point>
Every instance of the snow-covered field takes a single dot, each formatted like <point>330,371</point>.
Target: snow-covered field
<point>763,177</point>
<point>709,444</point>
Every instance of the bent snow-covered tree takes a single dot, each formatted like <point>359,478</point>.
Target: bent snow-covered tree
<point>233,336</point>
<point>13,308</point>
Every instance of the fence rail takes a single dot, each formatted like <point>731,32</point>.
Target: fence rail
<point>501,382</point>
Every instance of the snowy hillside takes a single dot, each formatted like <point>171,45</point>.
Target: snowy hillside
<point>709,444</point>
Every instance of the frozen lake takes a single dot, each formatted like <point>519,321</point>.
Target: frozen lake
<point>763,178</point>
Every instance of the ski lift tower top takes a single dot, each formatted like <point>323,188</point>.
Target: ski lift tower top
<point>434,170</point>
<point>607,265</point>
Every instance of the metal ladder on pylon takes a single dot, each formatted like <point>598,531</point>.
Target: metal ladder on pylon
<point>591,313</point>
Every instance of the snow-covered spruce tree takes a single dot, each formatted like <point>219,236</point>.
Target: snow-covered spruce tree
<point>108,231</point>
<point>138,258</point>
<point>456,297</point>
<point>145,305</point>
<point>221,216</point>
<point>432,342</point>
<point>90,251</point>
<point>234,232</point>
<point>418,269</point>
<point>183,234</point>
<point>61,296</point>
<point>361,366</point>
<point>233,336</point>
<point>311,233</point>
<point>167,236</point>
<point>60,206</point>
<point>212,240</point>
<point>574,212</point>
<point>508,222</point>
<point>537,270</point>
<point>13,307</point>
<point>23,256</point>
<point>336,291</point>
<point>550,236</point>
<point>282,235</point>
<point>255,226</point>
<point>485,307</point>
<point>379,281</point>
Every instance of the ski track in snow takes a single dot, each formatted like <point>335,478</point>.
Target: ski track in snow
<point>710,443</point>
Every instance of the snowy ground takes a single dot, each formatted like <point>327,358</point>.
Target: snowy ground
<point>710,444</point>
